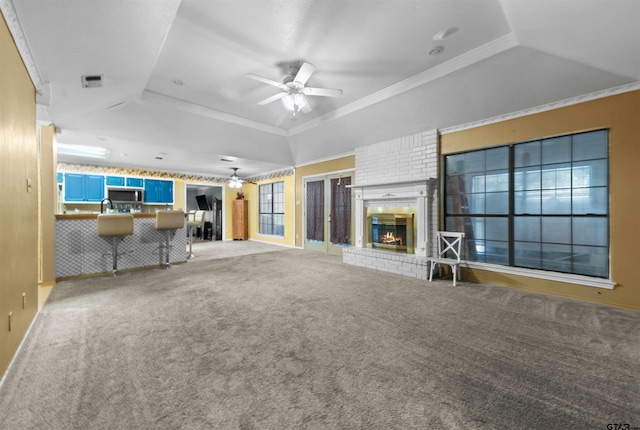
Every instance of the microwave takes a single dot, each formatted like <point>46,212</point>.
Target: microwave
<point>123,195</point>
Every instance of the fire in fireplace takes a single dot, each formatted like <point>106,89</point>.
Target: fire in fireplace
<point>391,231</point>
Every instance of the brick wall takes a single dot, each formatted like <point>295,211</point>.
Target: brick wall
<point>402,159</point>
<point>413,157</point>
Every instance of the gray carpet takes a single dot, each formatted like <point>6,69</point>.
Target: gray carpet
<point>293,339</point>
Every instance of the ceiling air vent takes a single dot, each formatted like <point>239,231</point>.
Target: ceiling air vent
<point>91,81</point>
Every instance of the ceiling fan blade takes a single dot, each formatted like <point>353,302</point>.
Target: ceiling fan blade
<point>325,92</point>
<point>272,99</point>
<point>266,81</point>
<point>304,73</point>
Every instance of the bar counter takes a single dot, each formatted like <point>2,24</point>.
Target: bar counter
<point>81,252</point>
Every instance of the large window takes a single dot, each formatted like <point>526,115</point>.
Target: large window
<point>542,204</point>
<point>272,209</point>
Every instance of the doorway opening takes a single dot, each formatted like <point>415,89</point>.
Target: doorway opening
<point>208,198</point>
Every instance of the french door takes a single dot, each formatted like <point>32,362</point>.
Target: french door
<point>327,213</point>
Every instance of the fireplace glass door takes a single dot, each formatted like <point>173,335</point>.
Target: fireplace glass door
<point>328,208</point>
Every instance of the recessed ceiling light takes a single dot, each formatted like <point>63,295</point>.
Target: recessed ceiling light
<point>436,50</point>
<point>177,82</point>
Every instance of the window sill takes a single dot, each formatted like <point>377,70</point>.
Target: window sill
<point>274,236</point>
<point>542,274</point>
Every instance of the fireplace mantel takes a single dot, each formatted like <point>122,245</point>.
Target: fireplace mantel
<point>413,193</point>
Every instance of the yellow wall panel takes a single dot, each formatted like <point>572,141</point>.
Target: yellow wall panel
<point>621,115</point>
<point>19,194</point>
<point>252,194</point>
<point>48,202</point>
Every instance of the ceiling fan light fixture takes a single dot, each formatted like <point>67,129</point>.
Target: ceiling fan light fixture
<point>294,102</point>
<point>235,184</point>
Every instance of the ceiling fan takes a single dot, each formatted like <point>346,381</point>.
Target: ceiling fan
<point>293,88</point>
<point>234,180</point>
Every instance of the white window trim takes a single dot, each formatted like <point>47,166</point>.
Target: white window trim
<point>542,274</point>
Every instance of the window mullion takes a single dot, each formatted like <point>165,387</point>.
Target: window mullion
<point>511,214</point>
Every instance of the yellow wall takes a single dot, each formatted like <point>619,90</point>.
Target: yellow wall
<point>336,165</point>
<point>252,195</point>
<point>19,208</point>
<point>621,115</point>
<point>179,197</point>
<point>48,200</point>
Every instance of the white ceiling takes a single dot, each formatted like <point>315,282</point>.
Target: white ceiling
<point>506,55</point>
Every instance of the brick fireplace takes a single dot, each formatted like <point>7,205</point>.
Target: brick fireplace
<point>395,205</point>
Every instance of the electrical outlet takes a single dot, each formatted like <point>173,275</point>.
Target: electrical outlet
<point>29,186</point>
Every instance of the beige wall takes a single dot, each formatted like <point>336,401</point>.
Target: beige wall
<point>252,195</point>
<point>621,115</point>
<point>336,165</point>
<point>48,201</point>
<point>19,208</point>
<point>179,195</point>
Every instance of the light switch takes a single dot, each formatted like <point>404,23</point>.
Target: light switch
<point>29,186</point>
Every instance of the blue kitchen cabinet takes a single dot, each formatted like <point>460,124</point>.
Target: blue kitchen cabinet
<point>151,191</point>
<point>95,188</point>
<point>158,191</point>
<point>74,187</point>
<point>116,181</point>
<point>166,191</point>
<point>59,177</point>
<point>83,188</point>
<point>135,182</point>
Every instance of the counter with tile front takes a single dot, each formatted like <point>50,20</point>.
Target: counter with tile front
<point>80,251</point>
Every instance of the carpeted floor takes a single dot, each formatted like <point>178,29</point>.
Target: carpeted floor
<point>291,339</point>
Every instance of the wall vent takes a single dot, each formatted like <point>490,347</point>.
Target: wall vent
<point>91,81</point>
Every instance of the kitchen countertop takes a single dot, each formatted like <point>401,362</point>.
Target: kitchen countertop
<point>95,215</point>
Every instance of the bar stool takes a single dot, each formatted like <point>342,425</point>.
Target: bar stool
<point>194,219</point>
<point>115,226</point>
<point>169,221</point>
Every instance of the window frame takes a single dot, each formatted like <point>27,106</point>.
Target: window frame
<point>508,264</point>
<point>270,209</point>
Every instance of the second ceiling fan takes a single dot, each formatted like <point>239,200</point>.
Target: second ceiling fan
<point>294,89</point>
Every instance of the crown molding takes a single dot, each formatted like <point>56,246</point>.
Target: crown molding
<point>485,51</point>
<point>15,27</point>
<point>153,97</point>
<point>632,86</point>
